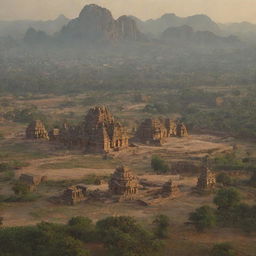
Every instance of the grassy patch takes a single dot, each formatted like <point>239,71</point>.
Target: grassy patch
<point>22,150</point>
<point>88,180</point>
<point>94,162</point>
<point>30,197</point>
<point>7,176</point>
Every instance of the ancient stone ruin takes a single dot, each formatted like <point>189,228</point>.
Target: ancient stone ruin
<point>54,134</point>
<point>74,194</point>
<point>181,130</point>
<point>36,130</point>
<point>123,182</point>
<point>32,181</point>
<point>155,131</point>
<point>207,179</point>
<point>99,133</point>
<point>169,189</point>
<point>152,131</point>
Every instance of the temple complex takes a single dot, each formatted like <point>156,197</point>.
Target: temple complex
<point>102,132</point>
<point>123,182</point>
<point>98,133</point>
<point>37,130</point>
<point>155,131</point>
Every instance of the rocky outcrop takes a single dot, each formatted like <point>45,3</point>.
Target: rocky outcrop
<point>37,130</point>
<point>97,24</point>
<point>155,131</point>
<point>123,182</point>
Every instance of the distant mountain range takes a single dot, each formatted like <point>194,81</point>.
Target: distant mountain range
<point>17,29</point>
<point>157,26</point>
<point>186,35</point>
<point>97,23</point>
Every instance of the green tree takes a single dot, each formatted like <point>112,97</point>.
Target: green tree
<point>122,236</point>
<point>82,228</point>
<point>223,249</point>
<point>227,198</point>
<point>159,165</point>
<point>20,188</point>
<point>224,179</point>
<point>162,224</point>
<point>253,179</point>
<point>203,218</point>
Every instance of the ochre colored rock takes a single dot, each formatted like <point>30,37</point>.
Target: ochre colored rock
<point>37,130</point>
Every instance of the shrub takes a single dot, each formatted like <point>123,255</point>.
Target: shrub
<point>223,249</point>
<point>224,179</point>
<point>20,188</point>
<point>81,228</point>
<point>162,224</point>
<point>159,165</point>
<point>227,198</point>
<point>122,236</point>
<point>252,181</point>
<point>203,218</point>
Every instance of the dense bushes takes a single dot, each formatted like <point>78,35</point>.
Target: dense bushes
<point>230,213</point>
<point>223,249</point>
<point>159,165</point>
<point>12,165</point>
<point>203,218</point>
<point>121,236</point>
<point>25,115</point>
<point>161,226</point>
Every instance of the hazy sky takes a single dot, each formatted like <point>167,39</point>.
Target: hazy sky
<point>219,10</point>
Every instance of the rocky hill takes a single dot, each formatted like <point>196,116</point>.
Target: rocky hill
<point>186,35</point>
<point>17,29</point>
<point>97,24</point>
<point>197,22</point>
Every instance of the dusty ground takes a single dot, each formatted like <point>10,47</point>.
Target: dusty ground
<point>59,164</point>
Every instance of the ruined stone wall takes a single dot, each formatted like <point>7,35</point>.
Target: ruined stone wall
<point>37,130</point>
<point>154,131</point>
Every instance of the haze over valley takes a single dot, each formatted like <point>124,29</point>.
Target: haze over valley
<point>127,133</point>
